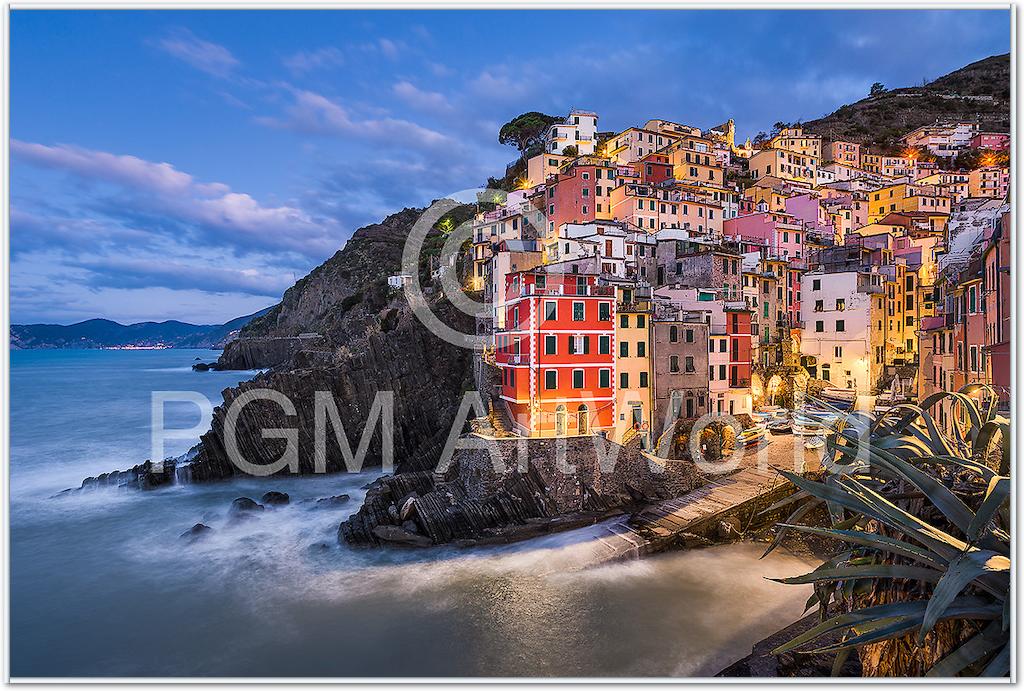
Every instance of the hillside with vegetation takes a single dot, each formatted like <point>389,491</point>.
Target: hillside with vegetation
<point>979,92</point>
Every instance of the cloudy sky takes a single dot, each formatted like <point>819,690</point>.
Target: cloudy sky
<point>192,165</point>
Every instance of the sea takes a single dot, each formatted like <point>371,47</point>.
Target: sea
<point>102,584</point>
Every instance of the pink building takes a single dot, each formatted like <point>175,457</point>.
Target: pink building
<point>997,141</point>
<point>781,235</point>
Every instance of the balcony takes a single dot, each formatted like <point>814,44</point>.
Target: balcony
<point>871,289</point>
<point>739,383</point>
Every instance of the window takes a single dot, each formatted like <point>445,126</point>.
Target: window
<point>711,345</point>
<point>819,326</point>
<point>816,284</point>
<point>578,311</point>
<point>623,321</point>
<point>689,364</point>
<point>840,304</point>
<point>722,346</point>
<point>838,352</point>
<point>623,380</point>
<point>551,379</point>
<point>840,325</point>
<point>604,311</point>
<point>711,372</point>
<point>673,334</point>
<point>673,363</point>
<point>689,335</point>
<point>819,305</point>
<point>515,316</point>
<point>604,378</point>
<point>641,349</point>
<point>721,372</point>
<point>577,379</point>
<point>643,380</point>
<point>550,310</point>
<point>550,345</point>
<point>641,321</point>
<point>623,348</point>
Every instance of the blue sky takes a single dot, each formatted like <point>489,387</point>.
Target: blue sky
<point>190,165</point>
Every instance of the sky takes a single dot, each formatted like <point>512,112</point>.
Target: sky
<point>193,164</point>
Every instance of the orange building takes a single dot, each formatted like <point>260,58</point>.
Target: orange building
<point>556,353</point>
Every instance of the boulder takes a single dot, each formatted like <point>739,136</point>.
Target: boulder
<point>244,505</point>
<point>196,532</point>
<point>331,502</point>
<point>408,508</point>
<point>273,498</point>
<point>395,535</point>
<point>200,367</point>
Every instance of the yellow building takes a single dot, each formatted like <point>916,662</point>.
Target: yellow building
<point>795,140</point>
<point>632,349</point>
<point>906,197</point>
<point>788,165</point>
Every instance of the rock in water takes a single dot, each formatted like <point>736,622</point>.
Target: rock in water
<point>244,505</point>
<point>196,532</point>
<point>399,536</point>
<point>331,502</point>
<point>273,498</point>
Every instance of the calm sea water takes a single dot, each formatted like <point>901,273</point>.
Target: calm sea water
<point>101,584</point>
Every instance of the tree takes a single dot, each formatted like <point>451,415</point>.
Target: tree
<point>778,127</point>
<point>572,151</point>
<point>877,89</point>
<point>759,139</point>
<point>525,130</point>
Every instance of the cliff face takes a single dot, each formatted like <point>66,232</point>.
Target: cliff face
<point>343,296</point>
<point>426,374</point>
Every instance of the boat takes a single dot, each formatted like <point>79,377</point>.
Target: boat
<point>809,429</point>
<point>814,443</point>
<point>780,427</point>
<point>750,436</point>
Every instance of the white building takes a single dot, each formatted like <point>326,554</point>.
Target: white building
<point>843,317</point>
<point>579,130</point>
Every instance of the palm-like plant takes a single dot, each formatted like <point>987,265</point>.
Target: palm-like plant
<point>925,572</point>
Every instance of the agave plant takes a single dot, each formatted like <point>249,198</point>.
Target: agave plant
<point>925,571</point>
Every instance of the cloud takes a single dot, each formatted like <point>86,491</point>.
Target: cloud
<point>389,48</point>
<point>215,213</point>
<point>499,87</point>
<point>121,272</point>
<point>211,58</point>
<point>314,113</point>
<point>430,101</point>
<point>307,61</point>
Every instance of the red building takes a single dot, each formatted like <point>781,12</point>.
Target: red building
<point>997,141</point>
<point>556,354</point>
<point>737,327</point>
<point>997,287</point>
<point>580,193</point>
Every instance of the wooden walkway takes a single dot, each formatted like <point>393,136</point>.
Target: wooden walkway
<point>674,522</point>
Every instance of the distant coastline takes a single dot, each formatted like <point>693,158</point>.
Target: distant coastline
<point>104,334</point>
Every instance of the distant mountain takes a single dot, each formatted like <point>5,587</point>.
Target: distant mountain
<point>103,333</point>
<point>979,92</point>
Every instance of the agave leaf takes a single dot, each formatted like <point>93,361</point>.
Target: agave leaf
<point>842,573</point>
<point>841,657</point>
<point>998,492</point>
<point>878,506</point>
<point>973,650</point>
<point>999,666</point>
<point>874,634</point>
<point>877,541</point>
<point>962,570</point>
<point>786,501</point>
<point>951,506</point>
<point>795,516</point>
<point>988,432</point>
<point>873,613</point>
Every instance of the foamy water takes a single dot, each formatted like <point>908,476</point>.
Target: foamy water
<point>102,584</point>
